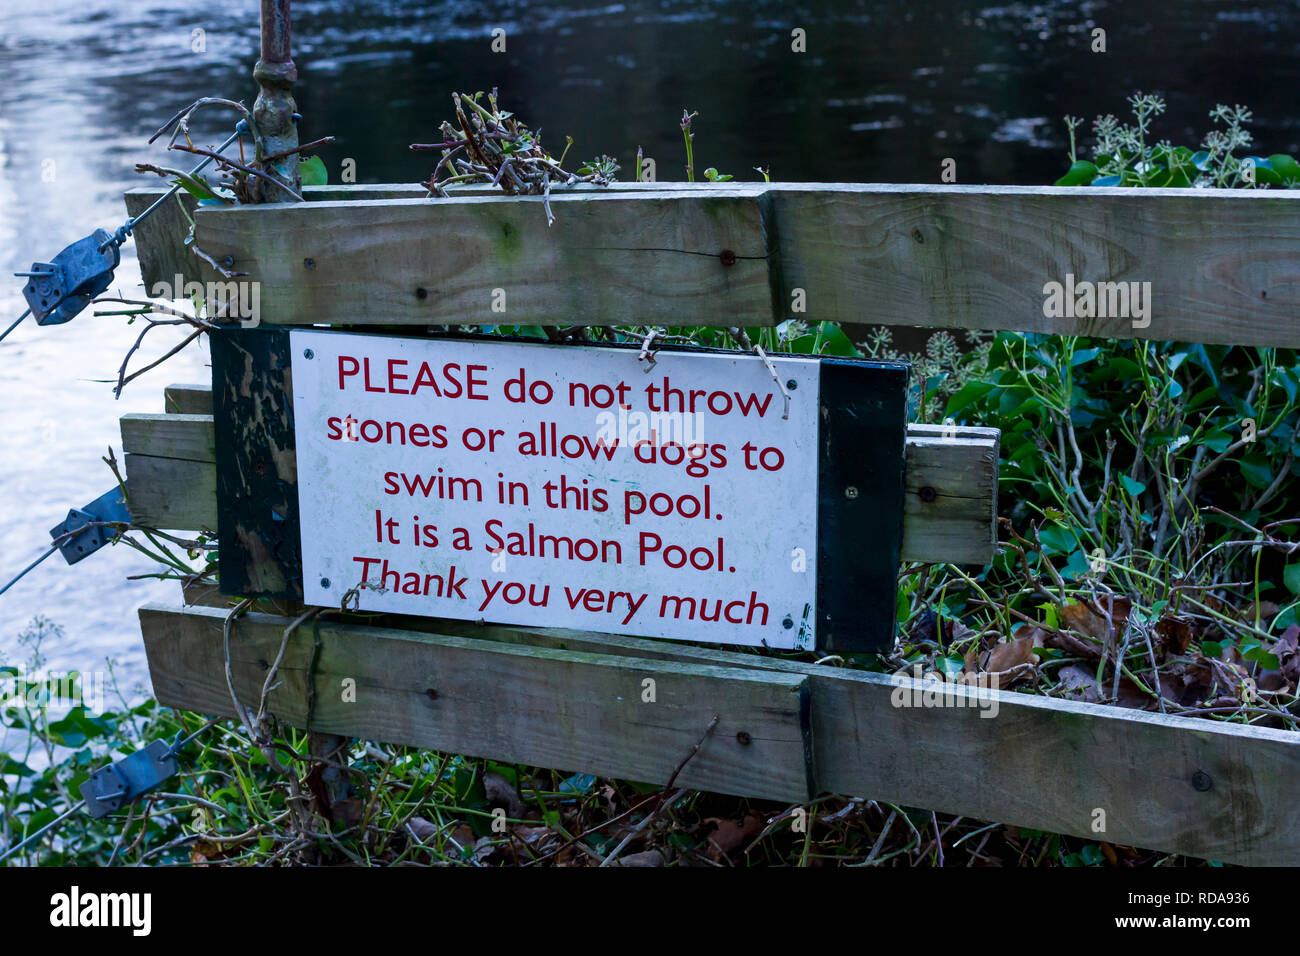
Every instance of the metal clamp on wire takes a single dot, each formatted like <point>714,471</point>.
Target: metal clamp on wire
<point>83,531</point>
<point>57,290</point>
<point>75,537</point>
<point>112,787</point>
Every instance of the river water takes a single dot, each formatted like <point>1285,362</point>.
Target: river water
<point>885,91</point>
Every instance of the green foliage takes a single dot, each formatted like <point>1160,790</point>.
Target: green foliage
<point>312,171</point>
<point>1134,440</point>
<point>1124,157</point>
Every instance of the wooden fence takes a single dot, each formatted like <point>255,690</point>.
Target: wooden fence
<point>1223,268</point>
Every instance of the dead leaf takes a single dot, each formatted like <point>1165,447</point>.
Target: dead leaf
<point>348,812</point>
<point>531,835</point>
<point>501,793</point>
<point>485,847</point>
<point>1287,650</point>
<point>1131,695</point>
<point>1079,683</point>
<point>463,837</point>
<point>729,836</point>
<point>1175,634</point>
<point>422,829</point>
<point>1008,662</point>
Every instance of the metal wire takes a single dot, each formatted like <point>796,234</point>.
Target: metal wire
<point>17,322</point>
<point>176,748</point>
<point>28,568</point>
<point>43,830</point>
<point>125,230</point>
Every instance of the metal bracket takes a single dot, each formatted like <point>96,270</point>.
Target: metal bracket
<point>58,290</point>
<point>112,787</point>
<point>110,506</point>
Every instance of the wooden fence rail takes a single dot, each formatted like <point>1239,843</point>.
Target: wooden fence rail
<point>572,700</point>
<point>1220,264</point>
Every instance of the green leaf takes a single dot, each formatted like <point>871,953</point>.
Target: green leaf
<point>1264,172</point>
<point>835,342</point>
<point>197,187</point>
<point>1081,173</point>
<point>1133,487</point>
<point>312,172</point>
<point>964,396</point>
<point>1057,540</point>
<point>1291,576</point>
<point>1106,181</point>
<point>1285,166</point>
<point>1255,469</point>
<point>1049,614</point>
<point>1263,658</point>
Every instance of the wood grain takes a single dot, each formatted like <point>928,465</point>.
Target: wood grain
<point>171,494</point>
<point>184,436</point>
<point>1224,264</point>
<point>187,399</point>
<point>160,239</point>
<point>950,502</point>
<point>568,710</point>
<point>476,260</point>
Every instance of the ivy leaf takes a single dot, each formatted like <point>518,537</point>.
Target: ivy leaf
<point>1081,173</point>
<point>312,172</point>
<point>1292,577</point>
<point>1285,166</point>
<point>1133,487</point>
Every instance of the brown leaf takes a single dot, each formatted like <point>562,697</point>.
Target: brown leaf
<point>1008,662</point>
<point>202,851</point>
<point>729,835</point>
<point>485,847</point>
<point>1287,650</point>
<point>1175,634</point>
<point>531,835</point>
<point>501,793</point>
<point>348,812</point>
<point>463,837</point>
<point>1131,695</point>
<point>1233,680</point>
<point>1080,683</point>
<point>422,829</point>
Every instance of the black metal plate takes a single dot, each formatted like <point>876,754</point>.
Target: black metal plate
<point>861,433</point>
<point>259,546</point>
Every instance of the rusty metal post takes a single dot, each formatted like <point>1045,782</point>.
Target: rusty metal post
<point>273,111</point>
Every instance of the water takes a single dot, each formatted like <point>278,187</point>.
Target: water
<point>885,92</point>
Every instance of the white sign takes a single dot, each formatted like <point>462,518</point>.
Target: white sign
<point>559,487</point>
